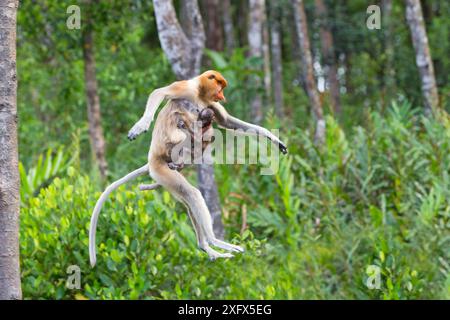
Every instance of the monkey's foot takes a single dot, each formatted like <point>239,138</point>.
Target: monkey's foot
<point>213,254</point>
<point>226,246</point>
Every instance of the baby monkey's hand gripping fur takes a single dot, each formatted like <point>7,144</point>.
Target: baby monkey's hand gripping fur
<point>204,91</point>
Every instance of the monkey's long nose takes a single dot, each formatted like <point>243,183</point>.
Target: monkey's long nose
<point>221,97</point>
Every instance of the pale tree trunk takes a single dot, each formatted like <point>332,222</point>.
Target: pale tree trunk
<point>294,49</point>
<point>9,172</point>
<point>348,67</point>
<point>389,85</point>
<point>184,51</point>
<point>214,32</point>
<point>277,63</point>
<point>307,67</point>
<point>255,41</point>
<point>96,136</point>
<point>266,55</point>
<point>230,41</point>
<point>419,37</point>
<point>329,58</point>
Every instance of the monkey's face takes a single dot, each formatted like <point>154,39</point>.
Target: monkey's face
<point>212,84</point>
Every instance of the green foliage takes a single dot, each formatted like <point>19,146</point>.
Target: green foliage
<point>239,71</point>
<point>47,168</point>
<point>376,198</point>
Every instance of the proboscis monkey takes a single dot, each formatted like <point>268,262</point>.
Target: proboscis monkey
<point>203,91</point>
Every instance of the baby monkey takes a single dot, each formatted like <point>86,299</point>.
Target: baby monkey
<point>205,119</point>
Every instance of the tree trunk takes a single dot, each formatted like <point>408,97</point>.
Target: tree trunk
<point>277,63</point>
<point>184,51</point>
<point>266,56</point>
<point>307,67</point>
<point>230,42</point>
<point>294,49</point>
<point>214,32</point>
<point>96,136</point>
<point>255,40</point>
<point>9,172</point>
<point>329,58</point>
<point>348,67</point>
<point>242,23</point>
<point>419,37</point>
<point>389,85</point>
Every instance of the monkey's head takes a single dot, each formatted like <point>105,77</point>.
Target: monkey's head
<point>211,86</point>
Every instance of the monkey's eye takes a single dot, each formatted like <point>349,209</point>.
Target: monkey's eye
<point>211,77</point>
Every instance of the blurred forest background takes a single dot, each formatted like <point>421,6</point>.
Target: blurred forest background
<point>366,181</point>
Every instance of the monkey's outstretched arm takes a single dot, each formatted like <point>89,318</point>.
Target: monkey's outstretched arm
<point>179,89</point>
<point>226,121</point>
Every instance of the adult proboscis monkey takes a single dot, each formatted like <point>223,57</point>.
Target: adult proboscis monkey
<point>204,91</point>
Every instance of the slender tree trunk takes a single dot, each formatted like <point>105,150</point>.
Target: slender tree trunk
<point>255,40</point>
<point>214,32</point>
<point>9,172</point>
<point>329,58</point>
<point>348,67</point>
<point>419,37</point>
<point>389,85</point>
<point>307,62</point>
<point>242,23</point>
<point>230,42</point>
<point>294,47</point>
<point>93,101</point>
<point>277,63</point>
<point>266,56</point>
<point>184,49</point>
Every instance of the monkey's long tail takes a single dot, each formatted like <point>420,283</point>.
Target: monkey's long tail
<point>93,227</point>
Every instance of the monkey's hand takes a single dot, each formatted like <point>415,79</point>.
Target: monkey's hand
<point>175,166</point>
<point>282,147</point>
<point>140,127</point>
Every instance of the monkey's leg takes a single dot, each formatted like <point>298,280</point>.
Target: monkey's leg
<point>153,186</point>
<point>177,184</point>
